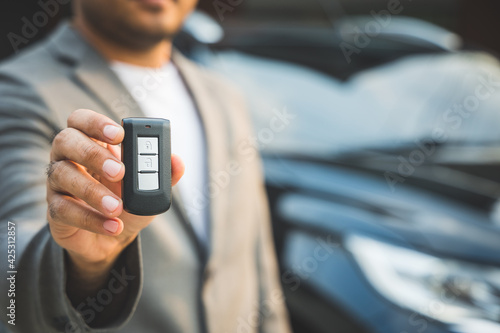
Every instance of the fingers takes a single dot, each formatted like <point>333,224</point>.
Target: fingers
<point>68,211</point>
<point>69,178</point>
<point>177,168</point>
<point>71,144</point>
<point>96,125</point>
<point>115,150</point>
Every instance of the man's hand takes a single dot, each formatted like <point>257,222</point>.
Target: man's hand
<point>85,213</point>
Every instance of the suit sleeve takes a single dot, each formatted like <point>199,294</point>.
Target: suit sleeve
<point>36,287</point>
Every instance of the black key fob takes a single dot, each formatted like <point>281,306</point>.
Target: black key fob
<point>147,184</point>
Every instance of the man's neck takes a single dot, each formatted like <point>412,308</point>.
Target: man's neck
<point>155,56</point>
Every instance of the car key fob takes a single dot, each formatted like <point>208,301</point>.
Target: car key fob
<point>147,184</point>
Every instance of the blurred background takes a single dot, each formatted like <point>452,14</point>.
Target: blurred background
<point>378,121</point>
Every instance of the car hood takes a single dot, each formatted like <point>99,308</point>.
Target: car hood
<point>340,200</point>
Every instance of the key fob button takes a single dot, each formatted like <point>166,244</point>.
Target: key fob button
<point>148,163</point>
<point>148,181</point>
<point>147,145</point>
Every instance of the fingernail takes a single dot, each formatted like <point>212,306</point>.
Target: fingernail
<point>110,131</point>
<point>111,167</point>
<point>110,225</point>
<point>110,203</point>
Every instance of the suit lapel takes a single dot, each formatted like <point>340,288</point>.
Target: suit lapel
<point>92,74</point>
<point>95,75</point>
<point>214,122</point>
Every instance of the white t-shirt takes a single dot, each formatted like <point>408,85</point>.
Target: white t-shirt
<point>161,93</point>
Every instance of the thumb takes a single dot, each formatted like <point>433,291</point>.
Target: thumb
<point>178,168</point>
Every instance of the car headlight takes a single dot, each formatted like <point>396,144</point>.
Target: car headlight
<point>450,291</point>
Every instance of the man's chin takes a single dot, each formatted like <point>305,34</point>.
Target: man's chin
<point>156,30</point>
<point>139,24</point>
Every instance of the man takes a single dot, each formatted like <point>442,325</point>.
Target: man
<point>207,265</point>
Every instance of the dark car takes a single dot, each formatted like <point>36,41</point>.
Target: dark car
<point>383,180</point>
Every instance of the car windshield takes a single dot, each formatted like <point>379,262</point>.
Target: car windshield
<point>452,97</point>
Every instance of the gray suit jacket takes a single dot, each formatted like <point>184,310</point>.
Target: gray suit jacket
<point>173,284</point>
